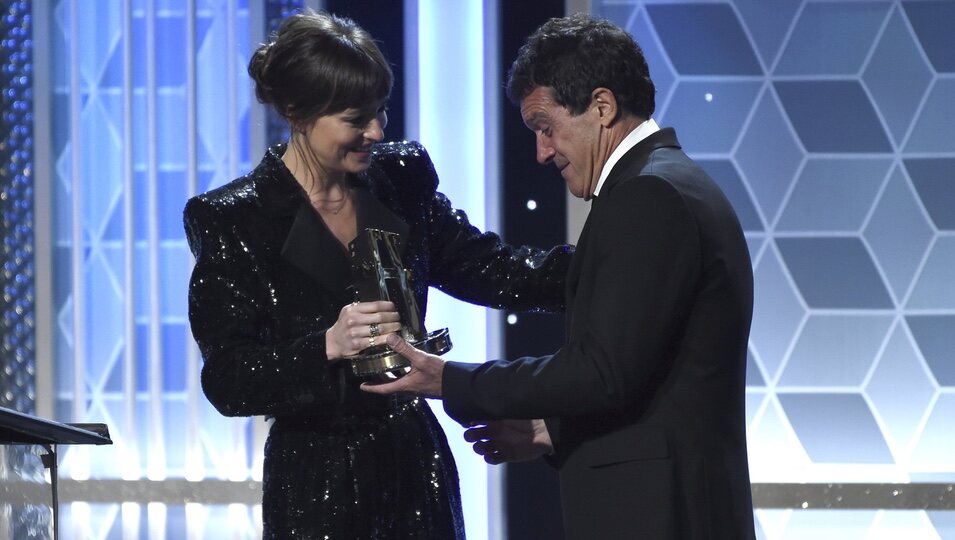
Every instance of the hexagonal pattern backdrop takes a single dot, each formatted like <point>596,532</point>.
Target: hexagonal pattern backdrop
<point>831,127</point>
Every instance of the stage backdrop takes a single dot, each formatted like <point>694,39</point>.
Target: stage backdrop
<point>142,104</point>
<point>831,127</point>
<point>149,105</point>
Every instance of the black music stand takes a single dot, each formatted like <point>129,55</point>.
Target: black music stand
<point>20,428</point>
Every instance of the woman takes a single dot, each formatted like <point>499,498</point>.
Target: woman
<point>272,311</point>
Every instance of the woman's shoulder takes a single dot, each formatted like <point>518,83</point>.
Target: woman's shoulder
<point>223,200</point>
<point>404,163</point>
<point>400,149</point>
<point>265,186</point>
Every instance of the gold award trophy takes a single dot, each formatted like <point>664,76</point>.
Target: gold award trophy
<point>378,274</point>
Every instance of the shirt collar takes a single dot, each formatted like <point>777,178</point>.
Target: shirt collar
<point>639,133</point>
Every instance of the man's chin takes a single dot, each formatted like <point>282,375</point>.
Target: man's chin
<point>576,188</point>
<point>576,191</point>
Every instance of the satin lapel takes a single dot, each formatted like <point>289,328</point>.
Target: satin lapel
<point>635,160</point>
<point>631,164</point>
<point>312,248</point>
<point>372,214</point>
<point>574,271</point>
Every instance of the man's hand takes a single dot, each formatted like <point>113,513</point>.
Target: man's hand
<point>510,440</point>
<point>424,377</point>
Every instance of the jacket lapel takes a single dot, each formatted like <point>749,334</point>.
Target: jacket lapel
<point>373,214</point>
<point>306,243</point>
<point>312,248</point>
<point>635,160</point>
<point>573,276</point>
<point>630,165</point>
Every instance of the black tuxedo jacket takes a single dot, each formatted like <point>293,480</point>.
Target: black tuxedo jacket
<point>645,401</point>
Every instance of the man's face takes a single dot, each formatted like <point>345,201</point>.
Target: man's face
<point>569,142</point>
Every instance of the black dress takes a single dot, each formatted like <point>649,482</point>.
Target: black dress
<point>270,278</point>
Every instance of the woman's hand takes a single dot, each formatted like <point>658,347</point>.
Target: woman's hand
<point>361,325</point>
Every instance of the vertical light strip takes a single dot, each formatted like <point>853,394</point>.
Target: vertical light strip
<point>197,518</point>
<point>578,6</point>
<point>156,520</point>
<point>130,518</point>
<point>412,82</point>
<point>257,127</point>
<point>194,466</point>
<point>451,119</point>
<point>577,209</point>
<point>156,468</point>
<point>237,454</point>
<point>493,92</point>
<point>130,468</point>
<point>43,182</point>
<point>80,518</point>
<point>232,82</point>
<point>258,138</point>
<point>80,466</point>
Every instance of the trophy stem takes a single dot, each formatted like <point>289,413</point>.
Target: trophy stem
<point>378,274</point>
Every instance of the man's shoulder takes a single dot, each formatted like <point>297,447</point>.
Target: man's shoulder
<point>640,187</point>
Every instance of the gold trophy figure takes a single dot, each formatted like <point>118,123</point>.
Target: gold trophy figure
<point>378,275</point>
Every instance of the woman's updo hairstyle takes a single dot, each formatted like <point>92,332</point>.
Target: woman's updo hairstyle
<point>319,64</point>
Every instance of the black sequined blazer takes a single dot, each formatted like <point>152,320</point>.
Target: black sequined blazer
<point>270,278</point>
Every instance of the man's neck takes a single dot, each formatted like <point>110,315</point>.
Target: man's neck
<point>617,132</point>
<point>635,131</point>
<point>626,124</point>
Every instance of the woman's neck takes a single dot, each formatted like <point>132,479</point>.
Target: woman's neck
<point>319,183</point>
<point>330,200</point>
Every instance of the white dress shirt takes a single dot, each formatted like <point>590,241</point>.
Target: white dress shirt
<point>639,133</point>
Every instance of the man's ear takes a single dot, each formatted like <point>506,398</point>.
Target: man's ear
<point>605,105</point>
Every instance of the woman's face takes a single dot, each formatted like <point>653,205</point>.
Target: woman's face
<point>341,142</point>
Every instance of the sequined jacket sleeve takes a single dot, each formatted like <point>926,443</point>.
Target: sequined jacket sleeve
<point>474,266</point>
<point>479,268</point>
<point>252,365</point>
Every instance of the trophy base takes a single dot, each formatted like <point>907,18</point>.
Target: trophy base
<point>389,365</point>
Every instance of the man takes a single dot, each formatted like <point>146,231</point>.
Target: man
<point>644,404</point>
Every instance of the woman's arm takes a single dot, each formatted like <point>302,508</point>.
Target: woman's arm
<point>248,369</point>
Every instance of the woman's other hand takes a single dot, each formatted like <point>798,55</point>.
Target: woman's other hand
<point>361,325</point>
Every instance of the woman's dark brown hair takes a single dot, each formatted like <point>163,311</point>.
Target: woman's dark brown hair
<point>319,64</point>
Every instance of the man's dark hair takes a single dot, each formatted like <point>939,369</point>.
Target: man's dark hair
<point>573,56</point>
